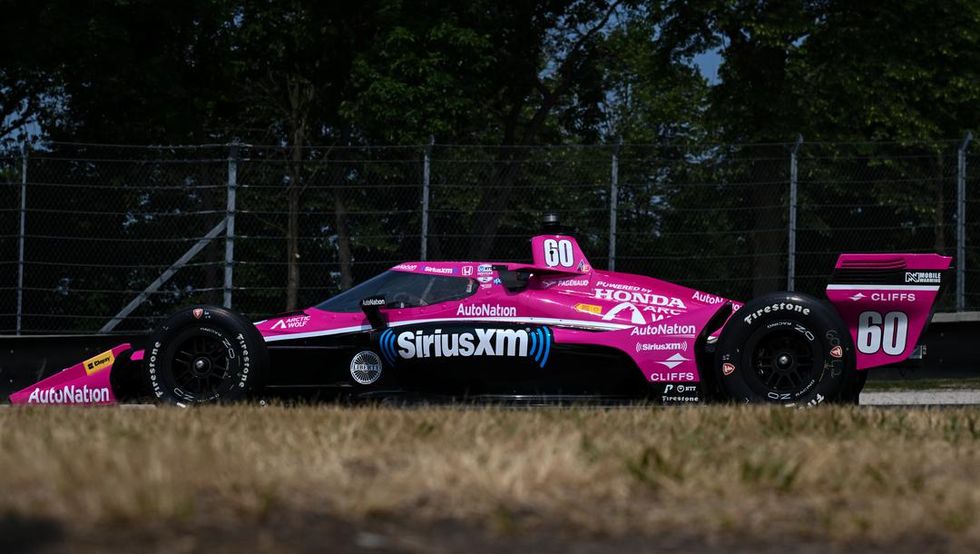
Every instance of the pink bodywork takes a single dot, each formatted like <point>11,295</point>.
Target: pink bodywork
<point>886,321</point>
<point>86,382</point>
<point>655,322</point>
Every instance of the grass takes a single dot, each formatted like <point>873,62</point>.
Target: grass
<point>845,474</point>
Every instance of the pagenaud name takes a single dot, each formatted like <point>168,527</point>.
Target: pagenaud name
<point>478,342</point>
<point>486,310</point>
<point>779,307</point>
<point>69,394</point>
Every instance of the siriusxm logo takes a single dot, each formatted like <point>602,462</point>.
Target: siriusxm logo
<point>494,342</point>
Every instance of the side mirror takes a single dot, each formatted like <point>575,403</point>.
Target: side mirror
<point>371,306</point>
<point>512,280</point>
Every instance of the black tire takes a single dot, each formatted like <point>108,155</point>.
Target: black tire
<point>851,391</point>
<point>786,348</point>
<point>203,355</point>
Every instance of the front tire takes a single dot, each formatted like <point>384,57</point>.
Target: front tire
<point>785,348</point>
<point>205,355</point>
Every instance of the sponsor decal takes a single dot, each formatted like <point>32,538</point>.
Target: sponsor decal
<point>96,364</point>
<point>636,318</point>
<point>674,361</point>
<point>295,322</point>
<point>490,342</point>
<point>664,329</point>
<point>406,267</point>
<point>644,298</point>
<point>727,369</point>
<point>486,310</point>
<point>777,307</point>
<point>467,270</point>
<point>928,277</point>
<point>565,283</point>
<point>893,297</point>
<point>69,394</point>
<point>680,393</point>
<point>484,279</point>
<point>706,298</point>
<point>621,286</point>
<point>373,301</point>
<point>659,346</point>
<point>837,352</point>
<point>589,309</point>
<point>440,270</point>
<point>197,312</point>
<point>365,367</point>
<point>496,280</point>
<point>886,297</point>
<point>672,376</point>
<point>484,269</point>
<point>584,267</point>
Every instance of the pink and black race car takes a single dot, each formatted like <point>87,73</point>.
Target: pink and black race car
<point>556,328</point>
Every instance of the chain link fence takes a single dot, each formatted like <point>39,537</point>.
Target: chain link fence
<point>114,238</point>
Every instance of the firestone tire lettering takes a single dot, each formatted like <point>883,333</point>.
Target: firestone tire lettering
<point>241,344</point>
<point>810,332</point>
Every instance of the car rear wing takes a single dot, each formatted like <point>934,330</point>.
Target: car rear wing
<point>886,300</point>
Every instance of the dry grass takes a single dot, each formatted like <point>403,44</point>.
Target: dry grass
<point>843,473</point>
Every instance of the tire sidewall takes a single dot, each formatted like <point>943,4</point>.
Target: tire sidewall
<point>247,356</point>
<point>804,316</point>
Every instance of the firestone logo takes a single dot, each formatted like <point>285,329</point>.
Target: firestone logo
<point>778,307</point>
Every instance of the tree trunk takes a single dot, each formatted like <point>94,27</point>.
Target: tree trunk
<point>300,95</point>
<point>767,240</point>
<point>343,239</point>
<point>495,198</point>
<point>292,231</point>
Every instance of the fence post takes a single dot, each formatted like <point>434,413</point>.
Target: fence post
<point>613,203</point>
<point>21,233</point>
<point>961,222</point>
<point>793,196</point>
<point>426,159</point>
<point>230,219</point>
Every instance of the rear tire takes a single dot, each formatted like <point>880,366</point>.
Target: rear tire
<point>786,348</point>
<point>205,355</point>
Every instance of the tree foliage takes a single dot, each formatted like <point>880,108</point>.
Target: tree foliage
<point>316,78</point>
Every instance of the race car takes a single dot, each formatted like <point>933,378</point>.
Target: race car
<point>553,329</point>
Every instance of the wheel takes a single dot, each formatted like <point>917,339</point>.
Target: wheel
<point>851,391</point>
<point>205,354</point>
<point>786,348</point>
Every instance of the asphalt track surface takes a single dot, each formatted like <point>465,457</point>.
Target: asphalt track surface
<point>921,398</point>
